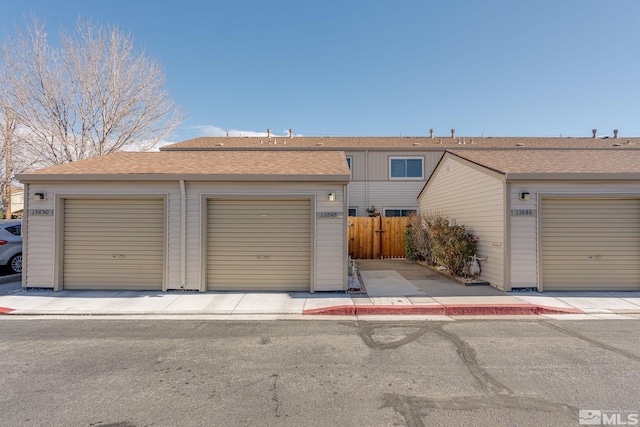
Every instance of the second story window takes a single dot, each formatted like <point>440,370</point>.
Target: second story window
<point>406,168</point>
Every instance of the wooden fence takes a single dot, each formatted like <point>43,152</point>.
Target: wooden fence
<point>377,237</point>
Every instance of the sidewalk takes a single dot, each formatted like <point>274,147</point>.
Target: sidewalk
<point>388,294</point>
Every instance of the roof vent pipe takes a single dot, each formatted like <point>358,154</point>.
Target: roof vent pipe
<point>453,133</point>
<point>268,133</point>
<point>594,131</point>
<point>290,133</point>
<point>431,132</point>
<point>615,133</point>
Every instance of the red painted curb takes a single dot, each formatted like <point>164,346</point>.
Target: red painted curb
<point>446,310</point>
<point>400,309</point>
<point>5,310</point>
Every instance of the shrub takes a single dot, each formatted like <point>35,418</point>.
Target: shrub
<point>416,240</point>
<point>432,239</point>
<point>451,245</point>
<point>408,244</point>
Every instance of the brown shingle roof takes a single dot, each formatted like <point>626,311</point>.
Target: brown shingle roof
<point>228,165</point>
<point>404,143</point>
<point>556,162</point>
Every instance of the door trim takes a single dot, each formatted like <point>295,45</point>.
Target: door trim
<point>58,261</point>
<point>206,197</point>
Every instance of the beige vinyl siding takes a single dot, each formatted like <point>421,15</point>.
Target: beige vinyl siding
<point>39,251</point>
<point>357,196</point>
<point>39,248</point>
<point>590,244</point>
<point>262,244</point>
<point>386,194</point>
<point>113,244</point>
<point>394,194</point>
<point>378,164</point>
<point>379,190</point>
<point>358,165</point>
<point>476,200</point>
<point>524,232</point>
<point>523,244</point>
<point>328,232</point>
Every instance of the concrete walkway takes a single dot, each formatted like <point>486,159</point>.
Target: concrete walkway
<point>393,287</point>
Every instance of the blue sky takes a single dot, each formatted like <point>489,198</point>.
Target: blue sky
<point>383,68</point>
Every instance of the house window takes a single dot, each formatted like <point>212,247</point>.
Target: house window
<point>406,168</point>
<point>349,163</point>
<point>353,211</point>
<point>399,212</point>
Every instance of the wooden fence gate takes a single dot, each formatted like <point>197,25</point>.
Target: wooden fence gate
<point>376,238</point>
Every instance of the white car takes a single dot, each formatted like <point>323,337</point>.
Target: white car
<point>11,244</point>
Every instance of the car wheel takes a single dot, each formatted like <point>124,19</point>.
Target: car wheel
<point>15,263</point>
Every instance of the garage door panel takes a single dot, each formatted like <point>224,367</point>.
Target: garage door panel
<point>270,253</point>
<point>590,244</point>
<point>114,238</point>
<point>588,264</point>
<point>259,244</point>
<point>242,265</point>
<point>131,275</point>
<point>569,252</point>
<point>113,244</point>
<point>262,275</point>
<point>282,235</point>
<point>96,261</point>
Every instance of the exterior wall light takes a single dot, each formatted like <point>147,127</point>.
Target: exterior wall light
<point>39,196</point>
<point>524,196</point>
<point>331,197</point>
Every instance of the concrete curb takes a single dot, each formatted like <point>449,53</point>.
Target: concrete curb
<point>443,310</point>
<point>345,310</point>
<point>11,278</point>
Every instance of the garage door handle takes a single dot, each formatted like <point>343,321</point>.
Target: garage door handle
<point>263,257</point>
<point>117,256</point>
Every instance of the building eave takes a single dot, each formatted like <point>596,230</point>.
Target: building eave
<point>588,176</point>
<point>26,177</point>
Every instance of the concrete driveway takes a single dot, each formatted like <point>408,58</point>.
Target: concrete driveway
<point>429,282</point>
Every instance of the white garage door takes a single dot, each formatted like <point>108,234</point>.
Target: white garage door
<point>591,244</point>
<point>261,245</point>
<point>113,244</point>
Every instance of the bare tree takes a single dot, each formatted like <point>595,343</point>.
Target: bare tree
<point>93,95</point>
<point>9,130</point>
<point>12,158</point>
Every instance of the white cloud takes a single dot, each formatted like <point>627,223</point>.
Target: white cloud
<point>210,130</point>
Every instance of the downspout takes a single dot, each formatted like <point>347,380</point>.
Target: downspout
<point>183,235</point>
<point>366,179</point>
<point>345,252</point>
<point>25,235</point>
<point>506,218</point>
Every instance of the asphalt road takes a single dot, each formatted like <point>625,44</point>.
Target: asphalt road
<point>126,373</point>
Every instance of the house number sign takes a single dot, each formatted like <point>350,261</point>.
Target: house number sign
<point>523,212</point>
<point>41,212</point>
<point>329,215</point>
